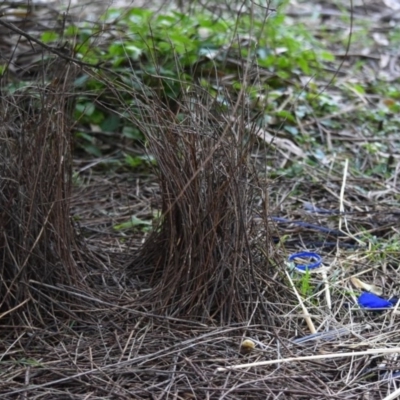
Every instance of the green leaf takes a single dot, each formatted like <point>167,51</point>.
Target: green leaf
<point>86,108</point>
<point>49,37</point>
<point>286,114</point>
<point>132,133</point>
<point>72,31</point>
<point>93,150</point>
<point>306,288</point>
<point>110,124</point>
<point>134,161</point>
<point>79,82</point>
<point>292,130</point>
<point>85,136</point>
<point>134,222</point>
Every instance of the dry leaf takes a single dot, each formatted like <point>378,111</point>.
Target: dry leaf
<point>359,284</point>
<point>283,144</point>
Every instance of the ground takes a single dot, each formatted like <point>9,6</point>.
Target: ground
<point>332,178</point>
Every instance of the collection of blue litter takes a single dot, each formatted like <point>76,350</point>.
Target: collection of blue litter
<point>366,300</point>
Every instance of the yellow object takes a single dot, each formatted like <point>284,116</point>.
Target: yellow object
<point>247,346</point>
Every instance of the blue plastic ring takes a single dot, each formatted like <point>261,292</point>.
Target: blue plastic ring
<point>314,256</point>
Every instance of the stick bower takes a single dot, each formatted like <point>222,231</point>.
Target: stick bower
<point>37,239</point>
<point>200,259</point>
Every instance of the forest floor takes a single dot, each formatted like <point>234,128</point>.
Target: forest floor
<point>334,189</point>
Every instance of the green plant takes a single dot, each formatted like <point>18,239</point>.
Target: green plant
<point>168,52</point>
<point>382,249</point>
<point>135,223</point>
<point>306,289</point>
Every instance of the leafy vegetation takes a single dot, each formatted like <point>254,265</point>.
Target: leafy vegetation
<point>169,52</point>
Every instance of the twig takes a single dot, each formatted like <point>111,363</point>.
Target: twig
<point>51,49</point>
<point>341,206</point>
<point>311,358</point>
<point>307,317</point>
<point>393,395</point>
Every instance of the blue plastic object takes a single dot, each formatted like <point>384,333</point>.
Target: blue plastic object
<point>372,301</point>
<point>394,300</point>
<point>317,263</point>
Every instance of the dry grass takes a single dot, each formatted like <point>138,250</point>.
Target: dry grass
<point>87,312</point>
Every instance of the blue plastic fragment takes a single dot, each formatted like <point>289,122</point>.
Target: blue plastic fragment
<point>314,256</point>
<point>370,300</point>
<point>394,300</point>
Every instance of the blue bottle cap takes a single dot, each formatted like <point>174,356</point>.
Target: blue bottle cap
<point>304,267</point>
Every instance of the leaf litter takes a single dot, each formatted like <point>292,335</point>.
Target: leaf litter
<point>111,348</point>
